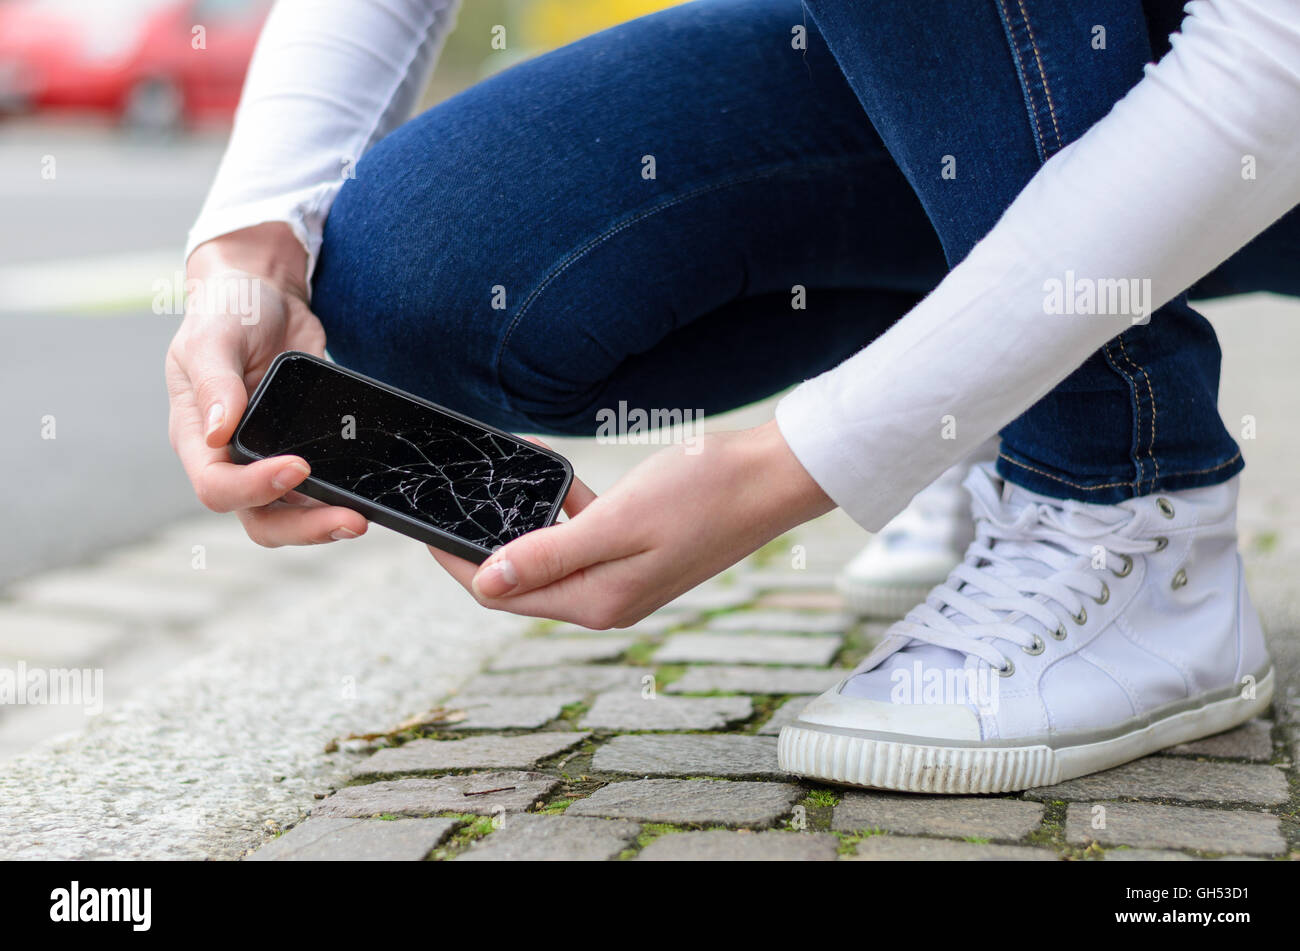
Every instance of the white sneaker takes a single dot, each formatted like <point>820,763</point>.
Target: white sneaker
<point>1074,637</point>
<point>917,549</point>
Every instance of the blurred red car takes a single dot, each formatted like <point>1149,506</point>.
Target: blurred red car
<point>155,64</point>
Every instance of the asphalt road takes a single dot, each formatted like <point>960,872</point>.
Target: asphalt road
<point>108,476</point>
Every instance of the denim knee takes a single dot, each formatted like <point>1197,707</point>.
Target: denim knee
<point>436,335</point>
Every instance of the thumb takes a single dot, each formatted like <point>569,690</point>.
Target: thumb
<point>217,375</point>
<point>545,556</point>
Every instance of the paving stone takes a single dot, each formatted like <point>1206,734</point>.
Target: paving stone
<point>957,816</point>
<point>766,680</point>
<point>663,621</point>
<point>689,754</point>
<point>482,794</point>
<point>781,622</point>
<point>1152,826</point>
<point>712,597</point>
<point>802,601</point>
<point>691,802</point>
<point>1147,855</point>
<point>357,840</point>
<point>902,848</point>
<point>533,838</point>
<point>43,636</point>
<point>625,710</point>
<point>480,752</point>
<point>1251,741</point>
<point>1288,710</point>
<point>768,580</point>
<point>1167,777</point>
<point>549,651</point>
<point>785,715</point>
<point>508,713</point>
<point>565,679</point>
<point>652,625</point>
<point>716,845</point>
<point>813,651</point>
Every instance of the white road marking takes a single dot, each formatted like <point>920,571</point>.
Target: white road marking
<point>92,286</point>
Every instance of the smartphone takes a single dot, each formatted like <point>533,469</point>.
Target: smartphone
<point>405,463</point>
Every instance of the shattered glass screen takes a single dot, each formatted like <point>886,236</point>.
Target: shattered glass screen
<point>400,454</point>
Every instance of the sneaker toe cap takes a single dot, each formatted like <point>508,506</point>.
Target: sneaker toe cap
<point>902,721</point>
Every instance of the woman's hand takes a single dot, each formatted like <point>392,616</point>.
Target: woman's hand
<point>246,303</point>
<point>674,521</point>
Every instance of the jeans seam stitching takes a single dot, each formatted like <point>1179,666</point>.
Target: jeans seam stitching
<point>1074,485</point>
<point>1151,442</point>
<point>1223,465</point>
<point>1042,73</point>
<point>1138,464</point>
<point>1113,485</point>
<point>1024,76</point>
<point>569,259</point>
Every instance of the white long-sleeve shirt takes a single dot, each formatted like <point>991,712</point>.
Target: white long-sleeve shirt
<point>329,79</point>
<point>1201,156</point>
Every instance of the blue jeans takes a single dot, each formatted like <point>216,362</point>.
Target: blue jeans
<point>624,219</point>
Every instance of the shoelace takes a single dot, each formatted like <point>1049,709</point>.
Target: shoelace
<point>991,590</point>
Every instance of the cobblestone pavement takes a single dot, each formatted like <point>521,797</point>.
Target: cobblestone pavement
<point>659,743</point>
<point>692,773</point>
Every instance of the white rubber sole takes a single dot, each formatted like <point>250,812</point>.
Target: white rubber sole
<point>886,603</point>
<point>839,756</point>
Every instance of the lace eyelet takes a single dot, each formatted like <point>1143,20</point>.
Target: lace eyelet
<point>1180,579</point>
<point>1161,543</point>
<point>1037,648</point>
<point>1128,567</point>
<point>1008,670</point>
<point>1166,507</point>
<point>1060,633</point>
<point>1082,617</point>
<point>1105,594</point>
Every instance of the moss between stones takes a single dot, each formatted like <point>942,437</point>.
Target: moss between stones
<point>667,673</point>
<point>823,798</point>
<point>1050,833</point>
<point>849,840</point>
<point>1265,543</point>
<point>641,653</point>
<point>572,712</point>
<point>474,828</point>
<point>656,830</point>
<point>765,556</point>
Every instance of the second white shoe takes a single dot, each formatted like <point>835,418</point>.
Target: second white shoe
<point>917,549</point>
<point>1072,638</point>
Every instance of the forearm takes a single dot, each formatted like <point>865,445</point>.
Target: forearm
<point>1155,191</point>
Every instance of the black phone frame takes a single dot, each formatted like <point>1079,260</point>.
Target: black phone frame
<point>400,522</point>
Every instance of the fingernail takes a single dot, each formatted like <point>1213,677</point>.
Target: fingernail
<point>342,534</point>
<point>290,476</point>
<point>216,416</point>
<point>496,579</point>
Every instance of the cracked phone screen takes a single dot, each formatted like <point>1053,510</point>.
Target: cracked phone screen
<point>469,482</point>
